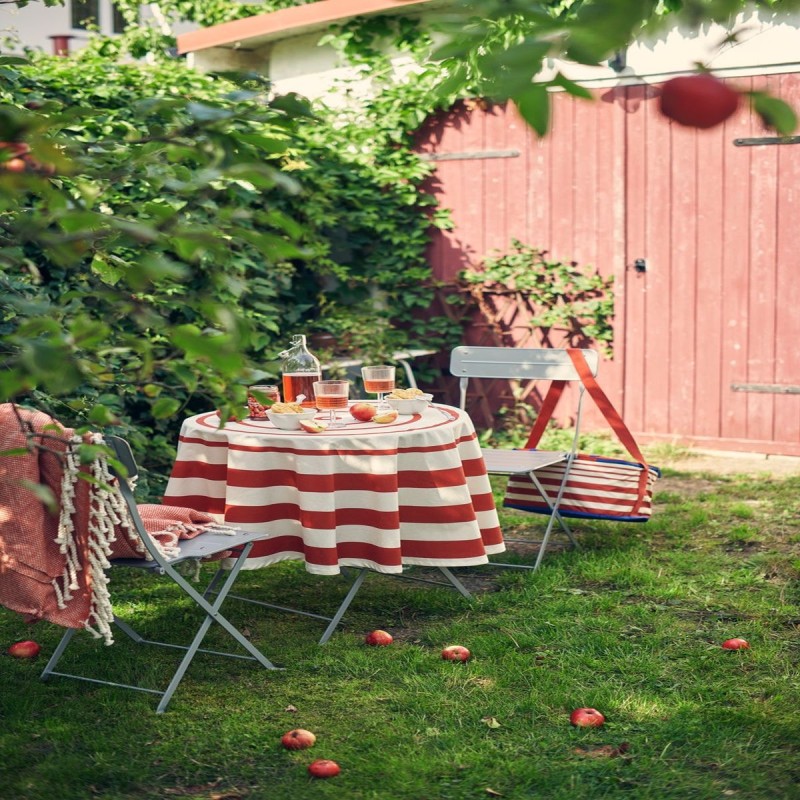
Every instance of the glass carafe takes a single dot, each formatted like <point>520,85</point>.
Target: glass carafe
<point>300,368</point>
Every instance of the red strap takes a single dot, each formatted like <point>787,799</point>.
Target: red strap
<point>607,409</point>
<point>614,420</point>
<point>604,404</point>
<point>545,413</point>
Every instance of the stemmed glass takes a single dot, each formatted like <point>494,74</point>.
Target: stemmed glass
<point>378,380</point>
<point>330,395</point>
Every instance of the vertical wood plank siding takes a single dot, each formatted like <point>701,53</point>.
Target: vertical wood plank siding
<point>718,224</point>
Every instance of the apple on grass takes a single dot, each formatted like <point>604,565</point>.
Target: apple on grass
<point>382,417</point>
<point>378,638</point>
<point>586,718</point>
<point>26,649</point>
<point>298,739</point>
<point>363,412</point>
<point>455,652</point>
<point>323,768</point>
<point>736,644</point>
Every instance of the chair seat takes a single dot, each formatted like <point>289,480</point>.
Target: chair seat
<point>207,544</point>
<point>517,462</point>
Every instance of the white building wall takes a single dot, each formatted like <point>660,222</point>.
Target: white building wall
<point>33,26</point>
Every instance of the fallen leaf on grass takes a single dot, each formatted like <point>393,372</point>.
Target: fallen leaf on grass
<point>291,709</point>
<point>603,751</point>
<point>493,793</point>
<point>490,722</point>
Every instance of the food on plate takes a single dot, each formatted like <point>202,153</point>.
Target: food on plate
<point>405,394</point>
<point>287,408</point>
<point>312,426</point>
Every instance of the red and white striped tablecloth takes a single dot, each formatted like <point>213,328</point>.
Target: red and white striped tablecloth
<point>411,492</point>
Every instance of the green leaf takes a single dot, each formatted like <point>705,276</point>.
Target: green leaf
<point>102,415</point>
<point>534,106</point>
<point>774,113</point>
<point>571,87</point>
<point>165,407</point>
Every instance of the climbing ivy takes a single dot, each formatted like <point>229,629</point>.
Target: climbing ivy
<point>574,298</point>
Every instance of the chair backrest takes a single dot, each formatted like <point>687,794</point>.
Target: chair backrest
<point>515,363</point>
<point>124,454</point>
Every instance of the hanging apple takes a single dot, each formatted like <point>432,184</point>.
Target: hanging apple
<point>698,101</point>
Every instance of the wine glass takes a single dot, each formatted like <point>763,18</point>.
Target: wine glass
<point>330,395</point>
<point>378,380</point>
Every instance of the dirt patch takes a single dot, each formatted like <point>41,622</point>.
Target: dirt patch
<point>720,462</point>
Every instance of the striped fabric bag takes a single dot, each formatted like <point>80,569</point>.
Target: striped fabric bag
<point>596,487</point>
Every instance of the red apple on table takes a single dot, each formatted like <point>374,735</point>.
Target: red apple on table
<point>455,652</point>
<point>382,417</point>
<point>323,768</point>
<point>378,638</point>
<point>736,644</point>
<point>363,412</point>
<point>26,649</point>
<point>298,739</point>
<point>586,718</point>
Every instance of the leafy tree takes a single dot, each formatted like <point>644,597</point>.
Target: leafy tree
<point>498,48</point>
<point>162,231</point>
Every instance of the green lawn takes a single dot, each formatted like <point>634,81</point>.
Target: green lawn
<point>631,624</point>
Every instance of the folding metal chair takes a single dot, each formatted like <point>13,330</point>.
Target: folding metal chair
<point>526,364</point>
<point>202,546</point>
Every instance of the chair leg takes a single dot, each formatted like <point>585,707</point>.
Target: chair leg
<point>57,653</point>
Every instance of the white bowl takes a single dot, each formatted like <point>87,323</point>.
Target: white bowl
<point>410,405</point>
<point>290,422</point>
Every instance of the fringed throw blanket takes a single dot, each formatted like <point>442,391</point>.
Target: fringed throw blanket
<point>52,565</point>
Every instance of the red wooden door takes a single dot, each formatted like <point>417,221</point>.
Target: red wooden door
<point>711,327</point>
<point>706,335</point>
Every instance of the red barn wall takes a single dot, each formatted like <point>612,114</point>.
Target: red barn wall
<point>706,347</point>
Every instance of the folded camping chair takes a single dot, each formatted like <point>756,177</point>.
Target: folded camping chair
<point>527,364</point>
<point>204,545</point>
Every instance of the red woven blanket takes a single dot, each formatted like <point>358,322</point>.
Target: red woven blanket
<point>53,561</point>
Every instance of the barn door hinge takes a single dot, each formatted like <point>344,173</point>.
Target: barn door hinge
<point>763,140</point>
<point>767,388</point>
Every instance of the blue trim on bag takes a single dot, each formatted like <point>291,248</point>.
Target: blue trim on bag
<point>578,514</point>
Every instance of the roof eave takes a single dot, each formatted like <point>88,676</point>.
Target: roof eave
<point>252,33</point>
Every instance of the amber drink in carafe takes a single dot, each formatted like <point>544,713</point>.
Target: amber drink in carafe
<point>300,369</point>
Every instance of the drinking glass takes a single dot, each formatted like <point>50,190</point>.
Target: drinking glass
<point>330,395</point>
<point>378,380</point>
